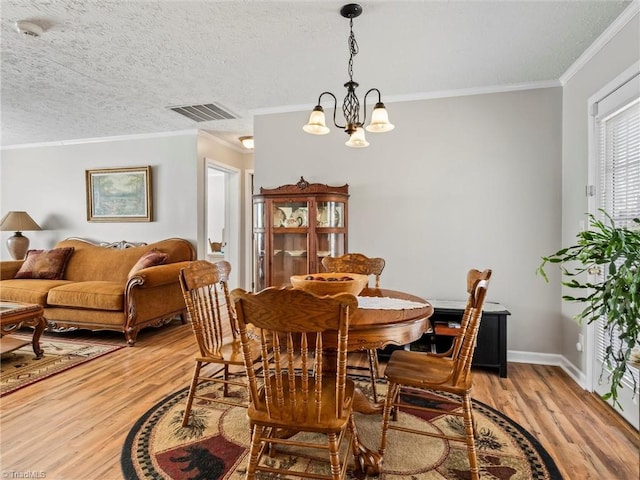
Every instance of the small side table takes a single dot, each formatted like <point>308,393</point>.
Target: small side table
<point>13,315</point>
<point>491,345</point>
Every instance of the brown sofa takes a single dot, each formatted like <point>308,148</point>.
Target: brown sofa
<point>97,291</point>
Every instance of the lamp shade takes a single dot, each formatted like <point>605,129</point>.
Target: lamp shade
<point>380,120</point>
<point>18,222</point>
<point>357,139</point>
<point>316,124</point>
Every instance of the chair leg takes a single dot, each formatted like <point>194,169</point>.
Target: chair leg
<point>334,456</point>
<point>373,372</point>
<point>469,433</point>
<point>192,392</point>
<point>225,388</point>
<point>254,452</point>
<point>392,394</point>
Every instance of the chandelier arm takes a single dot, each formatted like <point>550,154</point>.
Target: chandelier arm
<point>364,119</point>
<point>335,107</point>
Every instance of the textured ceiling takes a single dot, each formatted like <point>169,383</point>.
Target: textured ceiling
<point>110,68</point>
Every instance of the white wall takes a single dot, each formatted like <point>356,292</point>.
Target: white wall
<point>49,183</point>
<point>461,182</point>
<point>616,56</point>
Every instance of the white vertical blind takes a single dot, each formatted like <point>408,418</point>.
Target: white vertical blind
<point>619,133</point>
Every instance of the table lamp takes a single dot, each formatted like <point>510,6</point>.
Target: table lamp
<point>18,222</point>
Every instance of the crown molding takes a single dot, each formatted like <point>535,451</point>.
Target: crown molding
<point>461,92</point>
<point>612,30</point>
<point>117,138</point>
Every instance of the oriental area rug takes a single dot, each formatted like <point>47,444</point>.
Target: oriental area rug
<point>19,368</point>
<point>215,445</point>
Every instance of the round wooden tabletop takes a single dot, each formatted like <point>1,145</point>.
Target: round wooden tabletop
<point>378,327</point>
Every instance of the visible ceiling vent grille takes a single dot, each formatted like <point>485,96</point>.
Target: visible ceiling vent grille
<point>204,113</point>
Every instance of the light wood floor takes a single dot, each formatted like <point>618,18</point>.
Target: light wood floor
<point>72,426</point>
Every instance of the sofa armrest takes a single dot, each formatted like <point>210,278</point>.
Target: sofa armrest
<point>157,275</point>
<point>9,268</point>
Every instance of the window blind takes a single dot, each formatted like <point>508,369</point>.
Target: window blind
<point>619,141</point>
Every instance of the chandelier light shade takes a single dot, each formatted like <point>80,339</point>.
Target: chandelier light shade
<point>18,222</point>
<point>351,104</point>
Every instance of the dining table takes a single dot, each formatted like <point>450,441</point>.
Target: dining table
<point>383,317</point>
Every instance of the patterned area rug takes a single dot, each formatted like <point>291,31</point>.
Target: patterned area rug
<point>215,445</point>
<point>19,368</point>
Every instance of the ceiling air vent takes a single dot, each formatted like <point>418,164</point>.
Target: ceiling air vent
<point>204,113</point>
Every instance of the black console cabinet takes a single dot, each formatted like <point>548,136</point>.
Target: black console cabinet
<point>491,347</point>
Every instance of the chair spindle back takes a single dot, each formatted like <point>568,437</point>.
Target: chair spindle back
<point>294,329</point>
<point>206,295</point>
<point>355,263</point>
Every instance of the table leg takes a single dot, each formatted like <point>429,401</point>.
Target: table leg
<point>38,324</point>
<point>367,462</point>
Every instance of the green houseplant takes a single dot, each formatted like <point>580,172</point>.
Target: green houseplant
<point>615,252</point>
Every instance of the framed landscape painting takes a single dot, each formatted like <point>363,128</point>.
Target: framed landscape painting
<point>119,194</point>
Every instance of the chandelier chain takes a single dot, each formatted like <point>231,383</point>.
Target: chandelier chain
<point>353,48</point>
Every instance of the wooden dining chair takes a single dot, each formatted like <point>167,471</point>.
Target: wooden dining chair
<point>295,389</point>
<point>210,312</point>
<point>412,375</point>
<point>360,263</point>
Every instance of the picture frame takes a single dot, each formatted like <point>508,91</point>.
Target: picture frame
<point>119,194</point>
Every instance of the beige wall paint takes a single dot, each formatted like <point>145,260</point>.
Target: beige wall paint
<point>49,183</point>
<point>460,183</point>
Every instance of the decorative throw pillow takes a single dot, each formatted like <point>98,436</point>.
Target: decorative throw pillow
<point>150,259</point>
<point>45,264</point>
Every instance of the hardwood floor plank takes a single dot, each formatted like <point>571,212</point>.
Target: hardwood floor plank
<point>73,425</point>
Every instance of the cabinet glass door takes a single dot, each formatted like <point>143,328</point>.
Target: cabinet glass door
<point>330,245</point>
<point>289,257</point>
<point>290,215</point>
<point>259,274</point>
<point>290,241</point>
<point>330,214</point>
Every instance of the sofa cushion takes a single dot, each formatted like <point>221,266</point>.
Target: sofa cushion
<point>45,264</point>
<point>97,295</point>
<point>28,290</point>
<point>150,259</point>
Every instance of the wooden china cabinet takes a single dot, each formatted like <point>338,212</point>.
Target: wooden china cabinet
<point>295,226</point>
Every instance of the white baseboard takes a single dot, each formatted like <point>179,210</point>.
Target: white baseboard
<point>549,359</point>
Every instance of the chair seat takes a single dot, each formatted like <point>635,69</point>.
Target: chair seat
<point>304,417</point>
<point>231,354</point>
<point>417,369</point>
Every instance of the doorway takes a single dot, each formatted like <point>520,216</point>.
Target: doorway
<point>222,215</point>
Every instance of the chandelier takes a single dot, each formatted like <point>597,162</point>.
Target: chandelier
<point>351,104</point>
